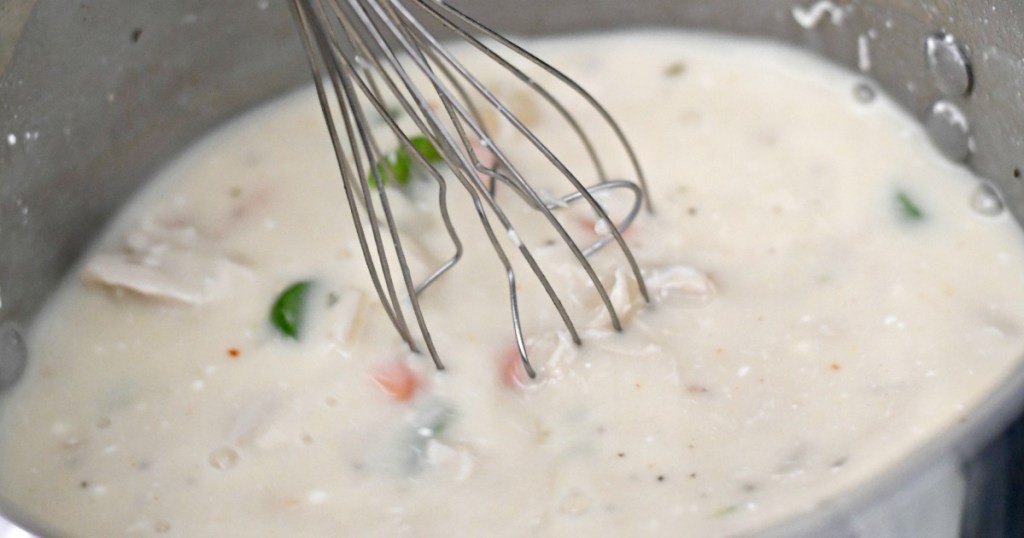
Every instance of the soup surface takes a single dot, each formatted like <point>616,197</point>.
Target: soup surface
<point>825,299</point>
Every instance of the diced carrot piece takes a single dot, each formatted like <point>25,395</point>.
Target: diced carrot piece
<point>486,157</point>
<point>511,372</point>
<point>397,380</point>
<point>589,224</point>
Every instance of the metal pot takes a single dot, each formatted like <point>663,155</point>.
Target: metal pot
<point>96,95</point>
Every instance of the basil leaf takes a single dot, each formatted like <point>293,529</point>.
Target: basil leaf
<point>288,311</point>
<point>393,165</point>
<point>909,210</point>
<point>426,148</point>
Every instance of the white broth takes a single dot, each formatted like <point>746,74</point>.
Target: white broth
<point>825,301</point>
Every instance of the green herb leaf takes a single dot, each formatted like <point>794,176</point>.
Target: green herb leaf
<point>397,164</point>
<point>429,421</point>
<point>289,309</point>
<point>426,148</point>
<point>725,511</point>
<point>909,210</point>
<point>440,423</point>
<point>394,165</point>
<point>675,69</point>
<point>431,418</point>
<point>395,112</point>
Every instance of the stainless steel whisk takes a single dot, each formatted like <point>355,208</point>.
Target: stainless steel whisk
<point>365,52</point>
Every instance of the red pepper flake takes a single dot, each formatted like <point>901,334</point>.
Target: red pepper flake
<point>234,352</point>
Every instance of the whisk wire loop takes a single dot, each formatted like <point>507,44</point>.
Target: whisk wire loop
<point>366,50</point>
<point>521,185</point>
<point>494,206</point>
<point>439,8</point>
<point>450,103</point>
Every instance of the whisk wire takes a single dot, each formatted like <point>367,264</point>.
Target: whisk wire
<point>375,154</point>
<point>312,32</point>
<point>361,44</point>
<point>436,6</point>
<point>522,186</point>
<point>448,102</point>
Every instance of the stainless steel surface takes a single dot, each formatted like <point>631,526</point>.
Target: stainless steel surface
<point>356,52</point>
<point>13,355</point>
<point>96,94</point>
<point>13,15</point>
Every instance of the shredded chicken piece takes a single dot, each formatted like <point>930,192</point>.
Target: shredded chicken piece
<point>252,422</point>
<point>555,352</point>
<point>681,281</point>
<point>458,461</point>
<point>624,296</point>
<point>345,316</point>
<point>170,262</point>
<point>666,283</point>
<point>267,424</point>
<point>520,101</point>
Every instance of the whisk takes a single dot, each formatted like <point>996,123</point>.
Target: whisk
<point>363,55</point>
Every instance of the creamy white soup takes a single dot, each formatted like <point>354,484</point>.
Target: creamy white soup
<point>825,299</point>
